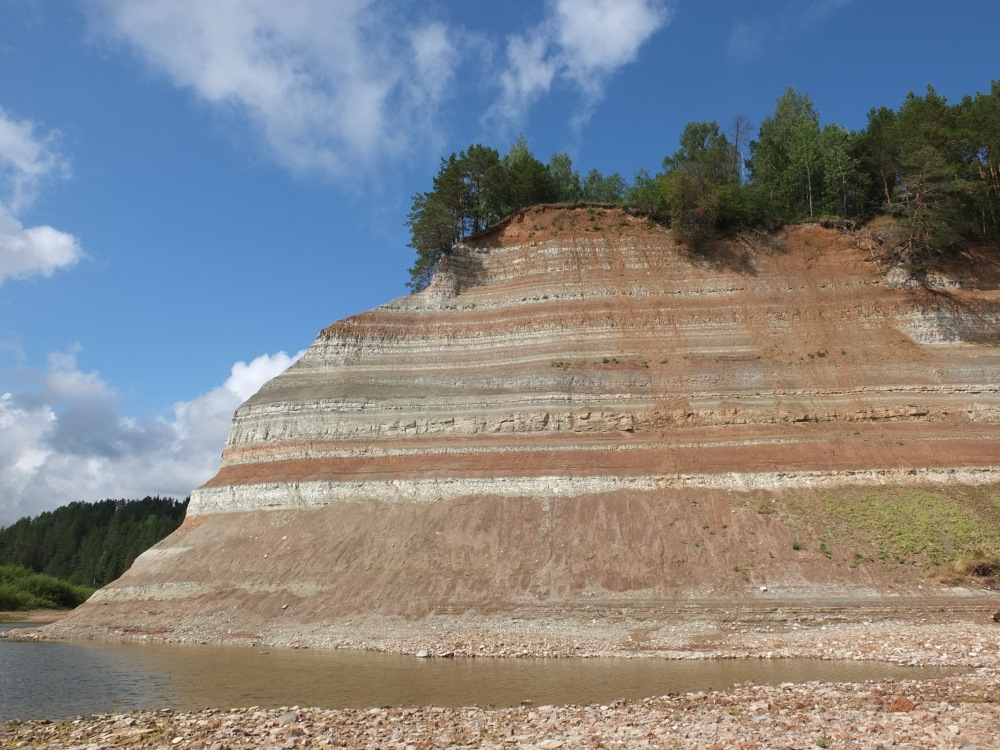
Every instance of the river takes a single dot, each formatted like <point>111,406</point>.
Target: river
<point>61,680</point>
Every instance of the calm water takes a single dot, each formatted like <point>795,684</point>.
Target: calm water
<point>59,680</point>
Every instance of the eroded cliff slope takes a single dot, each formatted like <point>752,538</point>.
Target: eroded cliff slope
<point>579,411</point>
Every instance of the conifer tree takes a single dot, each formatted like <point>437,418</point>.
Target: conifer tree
<point>472,190</point>
<point>979,132</point>
<point>931,189</point>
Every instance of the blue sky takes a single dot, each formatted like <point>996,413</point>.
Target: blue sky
<point>191,189</point>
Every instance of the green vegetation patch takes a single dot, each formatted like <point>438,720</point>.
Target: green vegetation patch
<point>908,526</point>
<point>23,589</point>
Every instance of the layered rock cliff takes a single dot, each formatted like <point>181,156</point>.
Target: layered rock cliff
<point>580,410</point>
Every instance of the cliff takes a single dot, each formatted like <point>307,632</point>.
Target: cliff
<point>578,413</point>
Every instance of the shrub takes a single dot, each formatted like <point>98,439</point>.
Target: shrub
<point>21,589</point>
<point>977,566</point>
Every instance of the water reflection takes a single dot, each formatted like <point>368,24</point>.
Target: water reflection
<point>57,680</point>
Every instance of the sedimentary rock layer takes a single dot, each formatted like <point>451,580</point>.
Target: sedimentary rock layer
<point>567,353</point>
<point>579,410</point>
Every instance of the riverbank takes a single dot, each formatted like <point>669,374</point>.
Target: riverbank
<point>952,712</point>
<point>903,629</point>
<point>33,616</point>
<point>947,713</point>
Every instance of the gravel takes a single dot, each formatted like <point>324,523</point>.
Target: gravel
<point>960,711</point>
<point>948,713</point>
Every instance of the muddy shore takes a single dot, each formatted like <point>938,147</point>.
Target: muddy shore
<point>952,712</point>
<point>32,617</point>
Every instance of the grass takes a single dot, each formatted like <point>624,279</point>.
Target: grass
<point>931,527</point>
<point>22,589</point>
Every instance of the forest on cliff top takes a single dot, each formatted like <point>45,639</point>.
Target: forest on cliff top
<point>931,166</point>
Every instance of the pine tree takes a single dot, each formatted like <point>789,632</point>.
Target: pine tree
<point>978,123</point>
<point>472,190</point>
<point>931,191</point>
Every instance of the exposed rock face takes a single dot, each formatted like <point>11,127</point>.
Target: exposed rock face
<point>578,406</point>
<point>601,361</point>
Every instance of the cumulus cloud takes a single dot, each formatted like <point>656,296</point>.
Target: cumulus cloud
<point>336,86</point>
<point>67,439</point>
<point>579,42</point>
<point>27,158</point>
<point>26,251</point>
<point>327,85</point>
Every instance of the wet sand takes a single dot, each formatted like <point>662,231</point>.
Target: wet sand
<point>33,617</point>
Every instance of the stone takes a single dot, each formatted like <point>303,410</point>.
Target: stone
<point>901,705</point>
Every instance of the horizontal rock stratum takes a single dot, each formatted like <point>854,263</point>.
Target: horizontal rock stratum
<point>579,411</point>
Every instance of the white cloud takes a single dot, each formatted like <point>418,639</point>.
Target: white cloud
<point>433,57</point>
<point>336,86</point>
<point>328,85</point>
<point>532,67</point>
<point>26,159</point>
<point>68,439</point>
<point>246,379</point>
<point>599,36</point>
<point>33,250</point>
<point>580,42</point>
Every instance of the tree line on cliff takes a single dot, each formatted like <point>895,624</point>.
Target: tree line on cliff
<point>81,545</point>
<point>933,167</point>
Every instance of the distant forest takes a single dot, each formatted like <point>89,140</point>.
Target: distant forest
<point>89,544</point>
<point>933,168</point>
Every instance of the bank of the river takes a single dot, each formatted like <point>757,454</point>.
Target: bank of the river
<point>948,713</point>
<point>960,711</point>
<point>32,616</point>
<point>920,630</point>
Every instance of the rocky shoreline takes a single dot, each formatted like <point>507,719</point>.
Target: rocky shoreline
<point>928,630</point>
<point>958,712</point>
<point>950,712</point>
